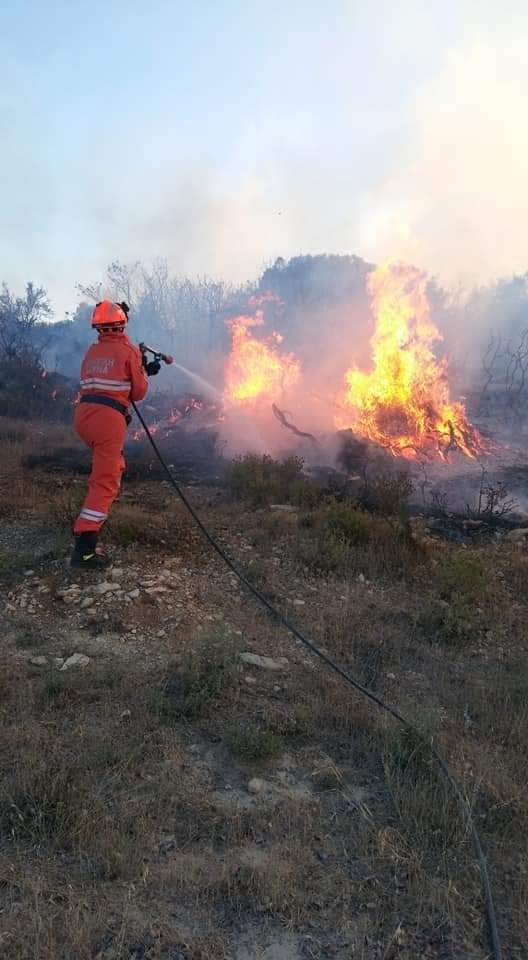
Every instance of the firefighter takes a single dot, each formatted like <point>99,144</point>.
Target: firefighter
<point>113,373</point>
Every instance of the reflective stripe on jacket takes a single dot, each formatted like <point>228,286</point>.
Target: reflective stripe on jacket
<point>113,367</point>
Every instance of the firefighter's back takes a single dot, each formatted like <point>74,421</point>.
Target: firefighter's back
<point>108,367</point>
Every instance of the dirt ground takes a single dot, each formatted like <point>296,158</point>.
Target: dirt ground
<point>180,779</point>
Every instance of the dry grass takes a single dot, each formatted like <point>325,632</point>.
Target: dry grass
<point>126,826</point>
<point>251,743</point>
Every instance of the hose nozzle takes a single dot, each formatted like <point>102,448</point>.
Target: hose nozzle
<point>166,357</point>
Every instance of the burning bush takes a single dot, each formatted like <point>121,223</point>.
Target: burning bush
<point>257,367</point>
<point>403,403</point>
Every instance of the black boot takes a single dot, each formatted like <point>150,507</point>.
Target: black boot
<point>85,555</point>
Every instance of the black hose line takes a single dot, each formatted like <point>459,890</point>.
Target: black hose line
<point>462,800</point>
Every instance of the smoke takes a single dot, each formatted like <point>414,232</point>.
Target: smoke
<point>456,201</point>
<point>221,141</point>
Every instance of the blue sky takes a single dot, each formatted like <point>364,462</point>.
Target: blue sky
<point>217,135</point>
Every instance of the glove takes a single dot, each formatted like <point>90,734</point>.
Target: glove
<point>152,368</point>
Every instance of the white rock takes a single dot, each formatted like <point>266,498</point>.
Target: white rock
<point>117,573</point>
<point>76,660</point>
<point>284,507</point>
<point>299,603</point>
<point>105,587</point>
<point>134,594</point>
<point>257,785</point>
<point>38,661</point>
<point>58,662</point>
<point>268,663</point>
<point>64,591</point>
<point>87,602</point>
<point>147,583</point>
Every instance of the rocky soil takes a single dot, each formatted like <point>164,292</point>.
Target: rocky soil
<point>182,780</point>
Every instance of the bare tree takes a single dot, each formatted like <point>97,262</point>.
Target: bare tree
<point>505,378</point>
<point>491,363</point>
<point>516,377</point>
<point>494,501</point>
<point>19,317</point>
<point>189,314</point>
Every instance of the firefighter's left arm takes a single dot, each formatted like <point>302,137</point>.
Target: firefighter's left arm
<point>138,376</point>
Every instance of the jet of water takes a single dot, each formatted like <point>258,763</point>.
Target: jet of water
<point>204,384</point>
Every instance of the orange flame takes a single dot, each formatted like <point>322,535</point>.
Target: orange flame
<point>255,368</point>
<point>403,403</point>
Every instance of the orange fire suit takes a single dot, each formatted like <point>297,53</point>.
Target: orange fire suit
<point>112,368</point>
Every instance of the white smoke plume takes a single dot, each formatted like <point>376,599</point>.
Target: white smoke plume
<point>455,201</point>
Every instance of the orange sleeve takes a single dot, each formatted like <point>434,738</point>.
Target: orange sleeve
<point>138,378</point>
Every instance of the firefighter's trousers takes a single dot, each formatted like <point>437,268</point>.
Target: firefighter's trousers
<point>103,430</point>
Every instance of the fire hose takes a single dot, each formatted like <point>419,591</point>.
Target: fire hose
<point>283,621</point>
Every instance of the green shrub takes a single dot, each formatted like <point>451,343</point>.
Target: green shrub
<point>341,538</point>
<point>462,581</point>
<point>205,675</point>
<point>305,493</point>
<point>261,479</point>
<point>388,494</point>
<point>346,523</point>
<point>461,575</point>
<point>256,573</point>
<point>253,743</point>
<point>131,524</point>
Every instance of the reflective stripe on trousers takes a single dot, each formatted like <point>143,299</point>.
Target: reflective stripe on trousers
<point>103,430</point>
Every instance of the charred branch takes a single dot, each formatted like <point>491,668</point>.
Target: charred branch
<point>281,416</point>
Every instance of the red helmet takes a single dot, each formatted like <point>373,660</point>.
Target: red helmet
<point>109,314</point>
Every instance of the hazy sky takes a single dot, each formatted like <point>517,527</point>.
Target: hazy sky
<point>223,134</point>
